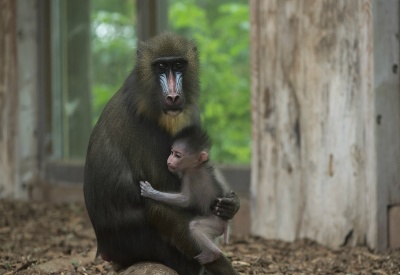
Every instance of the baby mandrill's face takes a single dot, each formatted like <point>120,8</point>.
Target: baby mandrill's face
<point>180,159</point>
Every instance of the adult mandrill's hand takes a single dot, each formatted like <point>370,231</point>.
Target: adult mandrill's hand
<point>226,207</point>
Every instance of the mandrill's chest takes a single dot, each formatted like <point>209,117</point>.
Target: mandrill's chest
<point>149,143</point>
<point>149,148</point>
<point>172,124</point>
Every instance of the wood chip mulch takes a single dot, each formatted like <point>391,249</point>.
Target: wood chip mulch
<point>43,238</point>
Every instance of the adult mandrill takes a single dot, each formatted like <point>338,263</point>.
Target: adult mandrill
<point>131,142</point>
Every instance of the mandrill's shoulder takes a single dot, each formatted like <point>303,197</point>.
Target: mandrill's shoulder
<point>115,120</point>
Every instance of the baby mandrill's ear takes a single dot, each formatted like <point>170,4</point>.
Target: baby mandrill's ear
<point>203,156</point>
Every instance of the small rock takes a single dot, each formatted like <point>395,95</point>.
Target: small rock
<point>55,266</point>
<point>148,268</point>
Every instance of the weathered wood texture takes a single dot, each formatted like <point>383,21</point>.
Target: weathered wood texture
<point>319,168</point>
<point>18,94</point>
<point>27,82</point>
<point>8,97</point>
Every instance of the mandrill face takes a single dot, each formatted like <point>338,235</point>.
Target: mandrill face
<point>168,67</point>
<point>170,72</point>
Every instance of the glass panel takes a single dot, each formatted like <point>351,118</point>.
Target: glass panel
<point>71,84</point>
<point>221,31</point>
<point>91,45</point>
<point>113,48</point>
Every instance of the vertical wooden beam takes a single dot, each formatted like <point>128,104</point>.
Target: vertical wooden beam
<point>44,84</point>
<point>8,97</point>
<point>314,158</point>
<point>27,149</point>
<point>152,18</point>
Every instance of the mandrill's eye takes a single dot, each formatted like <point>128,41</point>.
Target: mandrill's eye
<point>178,66</point>
<point>162,66</point>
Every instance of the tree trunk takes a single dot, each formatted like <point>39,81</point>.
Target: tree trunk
<point>314,160</point>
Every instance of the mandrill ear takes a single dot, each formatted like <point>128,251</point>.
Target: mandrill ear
<point>203,156</point>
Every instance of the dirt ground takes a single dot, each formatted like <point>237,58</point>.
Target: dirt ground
<point>40,238</point>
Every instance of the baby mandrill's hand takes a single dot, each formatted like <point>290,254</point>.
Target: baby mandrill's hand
<point>147,190</point>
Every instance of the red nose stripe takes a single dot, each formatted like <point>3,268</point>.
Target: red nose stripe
<point>171,83</point>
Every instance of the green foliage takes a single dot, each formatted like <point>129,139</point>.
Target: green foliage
<point>222,37</point>
<point>113,48</point>
<point>221,31</point>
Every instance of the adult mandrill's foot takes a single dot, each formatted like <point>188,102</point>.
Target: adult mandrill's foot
<point>221,266</point>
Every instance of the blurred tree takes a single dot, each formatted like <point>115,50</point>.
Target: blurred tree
<point>221,31</point>
<point>113,48</point>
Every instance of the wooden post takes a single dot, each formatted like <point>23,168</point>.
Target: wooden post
<point>152,18</point>
<point>8,97</point>
<point>18,97</point>
<point>317,169</point>
<point>26,139</point>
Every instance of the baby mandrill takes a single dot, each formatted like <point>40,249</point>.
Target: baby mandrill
<point>189,159</point>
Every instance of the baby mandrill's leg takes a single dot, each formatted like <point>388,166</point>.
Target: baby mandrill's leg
<point>205,230</point>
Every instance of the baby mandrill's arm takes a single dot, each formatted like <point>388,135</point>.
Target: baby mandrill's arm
<point>178,199</point>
